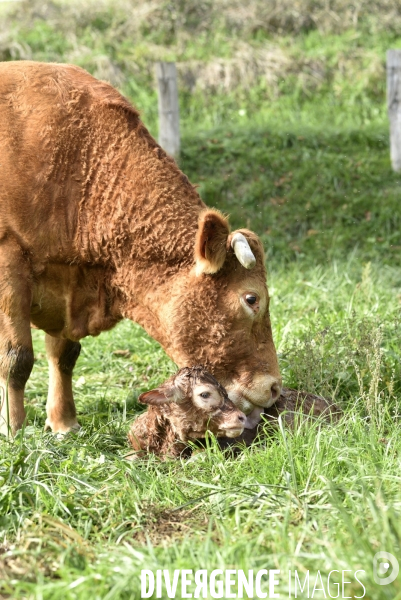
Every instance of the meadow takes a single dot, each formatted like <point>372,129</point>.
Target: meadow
<point>284,127</point>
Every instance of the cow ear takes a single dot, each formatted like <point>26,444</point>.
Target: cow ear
<point>161,395</point>
<point>211,242</point>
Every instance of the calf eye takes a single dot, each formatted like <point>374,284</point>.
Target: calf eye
<point>205,394</point>
<point>251,299</point>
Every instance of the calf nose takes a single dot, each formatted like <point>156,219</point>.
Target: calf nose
<point>242,418</point>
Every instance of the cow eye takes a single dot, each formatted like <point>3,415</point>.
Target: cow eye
<point>205,394</point>
<point>251,302</point>
<point>251,299</point>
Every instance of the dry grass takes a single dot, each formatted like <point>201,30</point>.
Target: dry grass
<point>269,16</point>
<point>219,46</point>
<point>249,65</point>
<point>296,16</point>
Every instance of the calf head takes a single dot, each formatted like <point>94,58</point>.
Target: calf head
<point>194,402</point>
<point>217,314</point>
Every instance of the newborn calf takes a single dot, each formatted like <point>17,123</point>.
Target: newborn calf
<point>183,408</point>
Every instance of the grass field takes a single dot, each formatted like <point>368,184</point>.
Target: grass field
<point>302,159</point>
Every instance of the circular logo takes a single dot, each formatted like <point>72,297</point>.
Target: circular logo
<point>382,562</point>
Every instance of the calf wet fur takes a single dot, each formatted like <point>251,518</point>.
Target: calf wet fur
<point>183,408</point>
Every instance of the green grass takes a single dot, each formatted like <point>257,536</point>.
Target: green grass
<point>302,158</point>
<point>307,193</point>
<point>78,521</point>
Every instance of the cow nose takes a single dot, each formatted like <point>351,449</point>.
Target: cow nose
<point>242,418</point>
<point>275,391</point>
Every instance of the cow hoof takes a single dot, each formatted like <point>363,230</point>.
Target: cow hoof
<point>4,430</point>
<point>61,430</point>
<point>10,431</point>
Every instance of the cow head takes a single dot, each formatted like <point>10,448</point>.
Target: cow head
<point>217,314</point>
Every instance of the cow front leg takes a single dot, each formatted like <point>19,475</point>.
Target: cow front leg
<point>16,353</point>
<point>16,362</point>
<point>61,413</point>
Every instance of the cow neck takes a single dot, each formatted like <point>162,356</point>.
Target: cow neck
<point>138,216</point>
<point>137,207</point>
<point>145,291</point>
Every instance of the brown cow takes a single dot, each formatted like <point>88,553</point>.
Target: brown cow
<point>97,224</point>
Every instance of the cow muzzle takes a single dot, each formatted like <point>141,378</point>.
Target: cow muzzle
<point>263,392</point>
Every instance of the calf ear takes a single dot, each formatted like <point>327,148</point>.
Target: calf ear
<point>155,397</point>
<point>211,242</point>
<point>160,396</point>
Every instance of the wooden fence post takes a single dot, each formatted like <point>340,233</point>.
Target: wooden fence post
<point>169,120</point>
<point>394,105</point>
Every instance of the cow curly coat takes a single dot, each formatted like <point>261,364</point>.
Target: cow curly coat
<point>98,224</point>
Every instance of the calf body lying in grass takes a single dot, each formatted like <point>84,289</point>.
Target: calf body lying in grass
<point>184,408</point>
